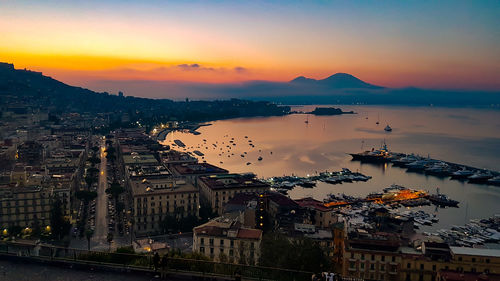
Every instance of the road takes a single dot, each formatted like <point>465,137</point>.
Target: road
<point>99,239</point>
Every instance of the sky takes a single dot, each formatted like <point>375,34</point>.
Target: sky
<point>429,44</point>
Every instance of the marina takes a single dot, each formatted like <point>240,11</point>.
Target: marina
<point>429,166</point>
<point>284,183</point>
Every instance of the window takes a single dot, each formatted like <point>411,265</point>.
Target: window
<point>373,257</point>
<point>231,243</point>
<point>202,250</point>
<point>459,258</point>
<point>362,256</point>
<point>362,266</point>
<point>487,260</point>
<point>222,242</point>
<point>352,264</point>
<point>393,258</point>
<point>231,252</point>
<point>202,241</point>
<point>433,267</point>
<point>382,267</point>
<point>211,251</point>
<point>372,266</point>
<point>383,258</point>
<point>211,241</point>
<point>422,266</point>
<point>408,265</point>
<point>473,259</point>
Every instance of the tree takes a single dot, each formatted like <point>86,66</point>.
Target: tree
<point>85,195</point>
<point>109,239</point>
<point>115,190</point>
<point>88,235</point>
<point>60,226</point>
<point>300,254</point>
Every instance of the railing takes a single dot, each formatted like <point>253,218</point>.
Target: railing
<point>145,262</point>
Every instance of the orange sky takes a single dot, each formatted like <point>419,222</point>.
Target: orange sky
<point>390,45</point>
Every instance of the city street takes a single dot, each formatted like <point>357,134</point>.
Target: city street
<point>99,239</point>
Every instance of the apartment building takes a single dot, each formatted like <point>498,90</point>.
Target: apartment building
<point>217,190</point>
<point>157,196</point>
<point>226,240</point>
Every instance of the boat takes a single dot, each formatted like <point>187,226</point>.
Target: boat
<point>438,169</point>
<point>381,155</point>
<point>307,120</point>
<point>388,128</point>
<point>462,174</point>
<point>494,180</point>
<point>307,183</point>
<point>480,177</point>
<point>248,163</point>
<point>442,200</point>
<point>403,161</point>
<point>260,158</point>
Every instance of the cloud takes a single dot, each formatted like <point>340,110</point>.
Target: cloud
<point>240,69</point>
<point>194,66</point>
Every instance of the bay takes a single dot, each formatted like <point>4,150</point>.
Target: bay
<point>288,145</point>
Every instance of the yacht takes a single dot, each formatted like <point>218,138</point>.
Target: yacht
<point>462,174</point>
<point>480,177</point>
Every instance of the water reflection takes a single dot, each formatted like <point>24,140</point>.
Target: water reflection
<point>288,146</point>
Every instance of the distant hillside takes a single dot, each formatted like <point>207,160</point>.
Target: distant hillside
<point>33,89</point>
<point>336,81</point>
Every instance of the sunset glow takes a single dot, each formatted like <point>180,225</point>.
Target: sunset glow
<point>430,45</point>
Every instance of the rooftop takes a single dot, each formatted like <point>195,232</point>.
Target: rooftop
<point>475,252</point>
<point>228,181</point>
<point>198,169</point>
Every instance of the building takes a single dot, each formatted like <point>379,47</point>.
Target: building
<point>193,171</point>
<point>157,196</point>
<point>217,190</point>
<point>371,256</point>
<point>225,240</point>
<point>321,216</point>
<point>25,207</point>
<point>30,152</point>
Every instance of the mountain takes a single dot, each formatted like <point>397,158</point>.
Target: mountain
<point>336,81</point>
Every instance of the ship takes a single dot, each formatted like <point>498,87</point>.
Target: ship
<point>381,155</point>
<point>307,183</point>
<point>442,200</point>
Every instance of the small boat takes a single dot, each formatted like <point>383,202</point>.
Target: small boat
<point>388,128</point>
<point>260,158</point>
<point>248,163</point>
<point>442,200</point>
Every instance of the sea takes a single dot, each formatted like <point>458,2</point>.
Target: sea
<point>305,144</point>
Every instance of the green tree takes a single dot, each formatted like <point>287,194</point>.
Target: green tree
<point>115,190</point>
<point>85,195</point>
<point>59,224</point>
<point>300,254</point>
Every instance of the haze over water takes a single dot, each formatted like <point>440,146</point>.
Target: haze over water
<point>466,136</point>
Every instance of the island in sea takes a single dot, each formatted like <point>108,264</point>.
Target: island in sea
<point>329,111</point>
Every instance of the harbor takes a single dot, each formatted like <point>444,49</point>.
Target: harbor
<point>428,166</point>
<point>285,183</point>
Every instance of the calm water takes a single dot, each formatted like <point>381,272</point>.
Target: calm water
<point>467,136</point>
